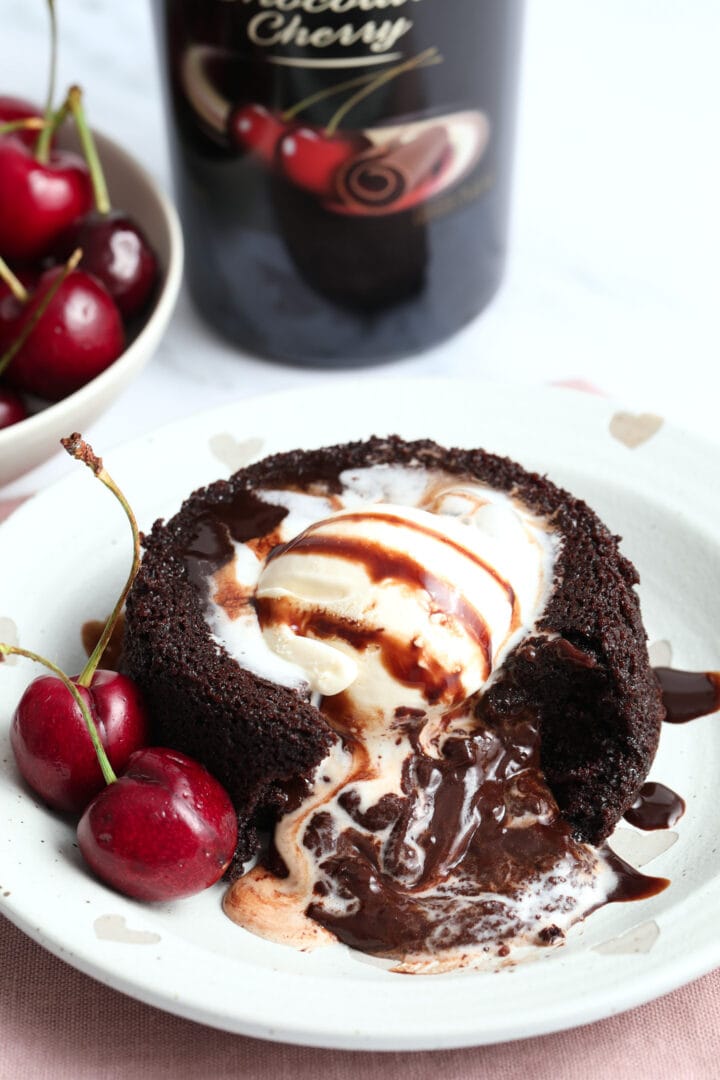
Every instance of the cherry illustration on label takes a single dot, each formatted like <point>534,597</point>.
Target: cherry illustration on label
<point>350,171</point>
<point>255,129</point>
<point>311,158</point>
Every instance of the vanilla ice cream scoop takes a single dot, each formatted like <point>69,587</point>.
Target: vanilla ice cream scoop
<point>401,608</point>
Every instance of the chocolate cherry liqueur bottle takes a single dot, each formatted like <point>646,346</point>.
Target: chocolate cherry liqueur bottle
<point>342,167</point>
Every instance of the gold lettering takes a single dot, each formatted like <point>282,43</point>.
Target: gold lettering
<point>270,29</point>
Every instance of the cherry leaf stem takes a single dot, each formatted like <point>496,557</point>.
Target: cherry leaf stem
<point>42,146</point>
<point>103,760</point>
<point>97,176</point>
<point>13,349</point>
<point>28,123</point>
<point>82,451</point>
<point>13,283</point>
<point>423,59</point>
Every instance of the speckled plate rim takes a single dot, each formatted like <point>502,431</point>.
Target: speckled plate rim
<point>185,957</point>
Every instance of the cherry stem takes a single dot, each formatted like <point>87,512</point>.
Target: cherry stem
<point>13,283</point>
<point>321,95</point>
<point>42,146</point>
<point>102,199</point>
<point>28,123</point>
<point>105,766</point>
<point>424,59</point>
<point>11,352</point>
<point>82,451</point>
<point>50,126</point>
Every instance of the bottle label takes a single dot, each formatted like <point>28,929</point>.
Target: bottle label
<point>335,103</point>
<point>282,24</point>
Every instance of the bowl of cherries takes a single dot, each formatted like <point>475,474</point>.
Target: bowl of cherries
<point>91,258</point>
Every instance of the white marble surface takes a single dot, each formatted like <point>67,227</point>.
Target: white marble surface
<point>614,273</point>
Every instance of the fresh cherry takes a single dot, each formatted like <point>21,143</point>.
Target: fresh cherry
<point>60,723</point>
<point>39,200</point>
<point>13,108</point>
<point>163,830</point>
<point>116,251</point>
<point>12,408</point>
<point>310,158</point>
<point>50,741</point>
<point>114,248</point>
<point>77,335</point>
<point>257,130</point>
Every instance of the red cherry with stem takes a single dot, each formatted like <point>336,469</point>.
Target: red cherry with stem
<point>164,830</point>
<point>59,723</point>
<point>67,333</point>
<point>310,158</point>
<point>50,741</point>
<point>257,130</point>
<point>117,253</point>
<point>114,247</point>
<point>39,199</point>
<point>12,408</point>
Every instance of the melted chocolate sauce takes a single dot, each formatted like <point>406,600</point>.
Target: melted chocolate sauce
<point>210,546</point>
<point>631,884</point>
<point>688,695</point>
<point>656,807</point>
<point>90,634</point>
<point>457,851</point>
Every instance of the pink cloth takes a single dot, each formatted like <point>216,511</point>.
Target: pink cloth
<point>7,506</point>
<point>56,1023</point>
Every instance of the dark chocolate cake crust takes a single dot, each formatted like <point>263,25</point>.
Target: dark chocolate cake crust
<point>584,674</point>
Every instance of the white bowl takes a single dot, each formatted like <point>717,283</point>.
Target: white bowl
<point>32,441</point>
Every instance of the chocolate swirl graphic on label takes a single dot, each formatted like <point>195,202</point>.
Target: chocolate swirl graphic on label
<point>383,175</point>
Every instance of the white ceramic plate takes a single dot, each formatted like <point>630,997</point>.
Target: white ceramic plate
<point>64,556</point>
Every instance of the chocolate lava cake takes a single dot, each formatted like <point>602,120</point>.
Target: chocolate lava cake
<point>583,671</point>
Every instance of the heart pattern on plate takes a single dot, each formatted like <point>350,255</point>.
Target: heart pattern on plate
<point>640,939</point>
<point>640,848</point>
<point>9,634</point>
<point>114,928</point>
<point>233,452</point>
<point>634,429</point>
<point>661,654</point>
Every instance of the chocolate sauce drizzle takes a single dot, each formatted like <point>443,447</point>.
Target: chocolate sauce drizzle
<point>656,807</point>
<point>405,659</point>
<point>375,567</point>
<point>210,544</point>
<point>688,695</point>
<point>401,658</point>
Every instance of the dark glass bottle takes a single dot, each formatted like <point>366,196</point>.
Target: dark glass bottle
<point>342,167</point>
